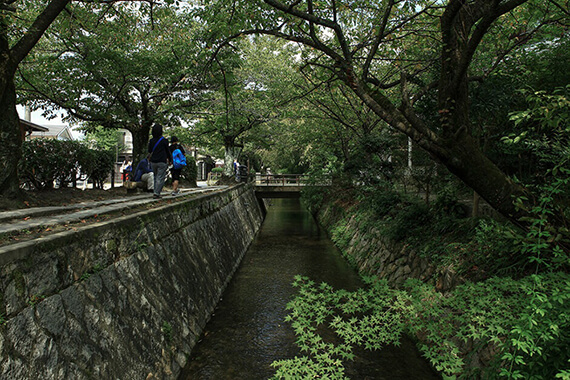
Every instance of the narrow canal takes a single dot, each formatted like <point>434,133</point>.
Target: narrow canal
<point>247,332</point>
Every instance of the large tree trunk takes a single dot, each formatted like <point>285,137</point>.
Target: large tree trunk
<point>140,142</point>
<point>452,145</point>
<point>469,164</point>
<point>10,135</point>
<point>10,58</point>
<point>231,154</point>
<point>11,141</point>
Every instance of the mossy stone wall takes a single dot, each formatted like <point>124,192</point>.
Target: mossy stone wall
<point>122,299</point>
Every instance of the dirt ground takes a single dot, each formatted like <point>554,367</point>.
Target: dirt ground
<point>62,197</point>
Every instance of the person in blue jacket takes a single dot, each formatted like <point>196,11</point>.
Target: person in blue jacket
<point>175,172</point>
<point>160,158</point>
<point>144,173</point>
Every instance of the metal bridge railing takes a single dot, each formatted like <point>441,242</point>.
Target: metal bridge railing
<point>280,179</point>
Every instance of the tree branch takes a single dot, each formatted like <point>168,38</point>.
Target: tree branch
<point>23,47</point>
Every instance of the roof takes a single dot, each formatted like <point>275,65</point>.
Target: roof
<point>60,132</point>
<point>31,127</point>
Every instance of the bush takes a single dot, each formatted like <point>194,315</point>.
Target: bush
<point>99,167</point>
<point>312,197</point>
<point>409,222</point>
<point>381,201</point>
<point>190,171</point>
<point>447,203</point>
<point>45,161</point>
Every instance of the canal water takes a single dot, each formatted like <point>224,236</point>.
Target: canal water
<point>247,331</point>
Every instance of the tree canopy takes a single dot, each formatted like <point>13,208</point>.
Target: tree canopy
<point>117,66</point>
<point>395,54</point>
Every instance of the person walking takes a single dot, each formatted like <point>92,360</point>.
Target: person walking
<point>177,165</point>
<point>160,158</point>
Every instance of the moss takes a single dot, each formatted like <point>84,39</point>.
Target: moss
<point>19,282</point>
<point>111,246</point>
<point>167,332</point>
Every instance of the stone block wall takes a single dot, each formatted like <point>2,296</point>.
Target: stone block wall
<point>373,254</point>
<point>122,299</point>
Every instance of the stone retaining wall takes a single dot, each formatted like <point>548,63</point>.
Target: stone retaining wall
<point>123,299</point>
<point>373,253</point>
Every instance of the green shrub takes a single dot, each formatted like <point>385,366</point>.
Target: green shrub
<point>447,203</point>
<point>522,324</point>
<point>381,201</point>
<point>312,197</point>
<point>408,222</point>
<point>190,171</point>
<point>45,161</point>
<point>97,165</point>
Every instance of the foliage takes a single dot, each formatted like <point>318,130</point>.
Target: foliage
<point>97,165</point>
<point>408,221</point>
<point>255,77</point>
<point>539,340</point>
<point>447,203</point>
<point>96,269</point>
<point>120,65</point>
<point>190,171</point>
<point>319,305</point>
<point>381,201</point>
<point>544,244</point>
<point>167,332</point>
<point>499,327</point>
<point>103,139</point>
<point>545,131</point>
<point>486,250</point>
<point>542,130</point>
<point>524,340</point>
<point>46,161</point>
<point>312,197</point>
<point>496,315</point>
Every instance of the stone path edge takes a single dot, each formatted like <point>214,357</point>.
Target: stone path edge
<point>21,250</point>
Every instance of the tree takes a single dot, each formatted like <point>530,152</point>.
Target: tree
<point>117,66</point>
<point>253,91</point>
<point>392,53</point>
<point>15,44</point>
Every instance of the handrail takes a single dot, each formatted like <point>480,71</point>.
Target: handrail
<point>280,179</point>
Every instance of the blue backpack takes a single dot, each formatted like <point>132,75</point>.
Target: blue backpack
<point>178,159</point>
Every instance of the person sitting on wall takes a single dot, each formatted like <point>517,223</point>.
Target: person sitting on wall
<point>144,174</point>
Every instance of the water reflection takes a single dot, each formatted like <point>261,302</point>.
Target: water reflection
<point>247,332</point>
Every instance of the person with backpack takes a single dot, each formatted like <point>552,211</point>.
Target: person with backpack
<point>160,158</point>
<point>178,163</point>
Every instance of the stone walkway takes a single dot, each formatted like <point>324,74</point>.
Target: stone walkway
<point>36,217</point>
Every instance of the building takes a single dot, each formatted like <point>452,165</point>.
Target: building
<point>59,132</point>
<point>27,128</point>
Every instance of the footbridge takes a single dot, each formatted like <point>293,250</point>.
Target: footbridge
<point>282,185</point>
